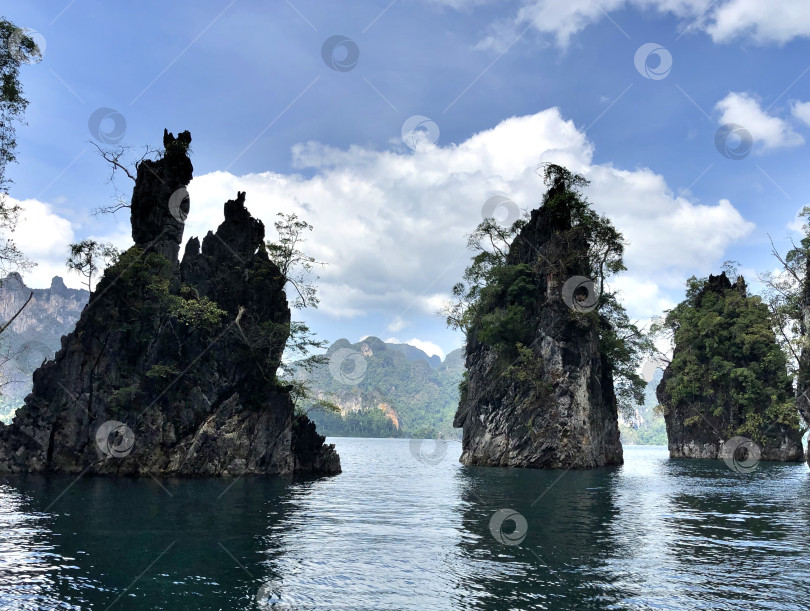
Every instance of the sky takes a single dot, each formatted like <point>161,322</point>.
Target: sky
<point>388,125</point>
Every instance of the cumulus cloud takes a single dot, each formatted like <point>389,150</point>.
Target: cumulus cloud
<point>392,224</point>
<point>772,22</point>
<point>43,237</point>
<point>801,110</point>
<point>768,131</point>
<point>775,21</point>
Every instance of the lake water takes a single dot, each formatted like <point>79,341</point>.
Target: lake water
<point>407,527</point>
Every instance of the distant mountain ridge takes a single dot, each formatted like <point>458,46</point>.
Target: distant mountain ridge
<point>35,335</point>
<point>646,427</point>
<point>386,390</point>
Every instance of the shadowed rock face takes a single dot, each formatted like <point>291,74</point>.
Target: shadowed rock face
<point>574,422</point>
<point>694,434</point>
<point>171,368</point>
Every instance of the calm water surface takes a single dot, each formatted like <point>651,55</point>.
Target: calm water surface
<point>396,531</point>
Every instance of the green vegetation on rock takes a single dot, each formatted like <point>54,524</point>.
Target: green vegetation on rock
<point>728,372</point>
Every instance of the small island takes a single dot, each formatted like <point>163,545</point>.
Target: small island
<point>171,369</point>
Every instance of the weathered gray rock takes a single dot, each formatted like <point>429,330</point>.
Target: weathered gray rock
<point>35,335</point>
<point>803,383</point>
<point>171,369</point>
<point>564,414</point>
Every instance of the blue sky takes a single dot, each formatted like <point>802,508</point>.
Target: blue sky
<point>507,85</point>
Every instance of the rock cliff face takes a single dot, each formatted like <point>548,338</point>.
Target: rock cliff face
<point>560,410</point>
<point>34,335</point>
<point>172,367</point>
<point>803,384</point>
<point>697,427</point>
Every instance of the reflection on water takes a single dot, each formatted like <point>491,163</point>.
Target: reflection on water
<point>398,530</point>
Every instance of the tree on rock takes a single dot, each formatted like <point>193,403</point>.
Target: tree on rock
<point>728,376</point>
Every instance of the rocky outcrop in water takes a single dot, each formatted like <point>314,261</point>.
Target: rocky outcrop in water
<point>551,405</point>
<point>727,384</point>
<point>171,369</point>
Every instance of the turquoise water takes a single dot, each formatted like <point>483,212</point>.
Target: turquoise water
<point>407,527</point>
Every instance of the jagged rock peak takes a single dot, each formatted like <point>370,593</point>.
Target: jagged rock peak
<point>239,235</point>
<point>171,369</point>
<point>13,282</point>
<point>561,410</point>
<point>720,283</point>
<point>159,207</point>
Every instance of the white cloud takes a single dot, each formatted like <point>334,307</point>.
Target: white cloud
<point>391,224</point>
<point>801,110</point>
<point>43,237</point>
<point>397,325</point>
<point>771,21</point>
<point>799,222</point>
<point>762,22</point>
<point>768,131</point>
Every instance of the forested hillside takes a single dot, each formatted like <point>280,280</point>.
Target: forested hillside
<point>385,390</point>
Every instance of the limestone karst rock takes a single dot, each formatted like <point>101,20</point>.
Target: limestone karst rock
<point>35,334</point>
<point>728,380</point>
<point>171,368</point>
<point>803,383</point>
<point>561,412</point>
